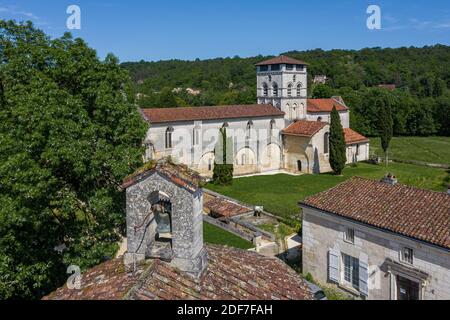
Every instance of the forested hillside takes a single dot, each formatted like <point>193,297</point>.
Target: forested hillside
<point>420,104</point>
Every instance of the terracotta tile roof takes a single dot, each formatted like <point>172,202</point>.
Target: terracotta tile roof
<point>232,274</point>
<point>223,208</point>
<point>409,211</point>
<point>352,136</point>
<point>325,105</point>
<point>161,115</point>
<point>281,60</point>
<point>179,174</point>
<point>304,128</point>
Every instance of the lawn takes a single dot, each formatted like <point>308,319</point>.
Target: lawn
<point>426,149</point>
<point>280,193</point>
<point>215,235</point>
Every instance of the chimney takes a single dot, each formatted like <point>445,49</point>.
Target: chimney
<point>389,179</point>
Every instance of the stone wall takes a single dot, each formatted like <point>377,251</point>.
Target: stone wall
<point>187,223</point>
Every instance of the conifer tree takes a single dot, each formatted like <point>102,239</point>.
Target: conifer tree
<point>337,143</point>
<point>385,125</point>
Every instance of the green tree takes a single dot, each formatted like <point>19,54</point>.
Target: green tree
<point>322,91</point>
<point>223,164</point>
<point>338,156</point>
<point>68,136</point>
<point>385,124</point>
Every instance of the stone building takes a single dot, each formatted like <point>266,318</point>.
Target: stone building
<point>166,257</point>
<point>379,240</point>
<point>256,132</point>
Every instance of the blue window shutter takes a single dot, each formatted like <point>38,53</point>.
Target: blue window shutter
<point>363,278</point>
<point>333,265</point>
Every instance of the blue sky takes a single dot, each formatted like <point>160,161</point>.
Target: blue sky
<point>190,29</point>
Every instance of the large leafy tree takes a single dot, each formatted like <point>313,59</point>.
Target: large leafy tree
<point>338,157</point>
<point>68,136</point>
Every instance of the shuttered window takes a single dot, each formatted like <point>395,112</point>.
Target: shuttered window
<point>363,278</point>
<point>333,265</point>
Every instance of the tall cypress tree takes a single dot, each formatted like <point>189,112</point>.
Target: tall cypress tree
<point>385,124</point>
<point>223,164</point>
<point>338,157</point>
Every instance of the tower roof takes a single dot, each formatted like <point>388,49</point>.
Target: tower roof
<point>281,60</point>
<point>179,174</point>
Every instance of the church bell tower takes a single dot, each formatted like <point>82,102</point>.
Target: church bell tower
<point>282,82</point>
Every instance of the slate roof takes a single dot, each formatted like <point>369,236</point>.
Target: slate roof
<point>179,174</point>
<point>304,128</point>
<point>281,60</point>
<point>408,211</point>
<point>352,137</point>
<point>325,105</point>
<point>162,115</point>
<point>232,274</point>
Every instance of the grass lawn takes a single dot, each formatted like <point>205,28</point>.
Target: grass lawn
<point>426,149</point>
<point>279,194</point>
<point>215,235</point>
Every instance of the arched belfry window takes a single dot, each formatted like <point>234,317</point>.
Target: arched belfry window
<point>299,90</point>
<point>169,132</point>
<point>162,210</point>
<point>326,143</point>
<point>289,90</point>
<point>265,90</point>
<point>275,89</point>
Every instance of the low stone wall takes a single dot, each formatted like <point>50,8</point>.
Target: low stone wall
<point>227,227</point>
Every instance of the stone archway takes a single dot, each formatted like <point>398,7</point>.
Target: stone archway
<point>245,161</point>
<point>206,164</point>
<point>271,157</point>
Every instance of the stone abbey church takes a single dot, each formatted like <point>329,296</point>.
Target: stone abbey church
<point>284,130</point>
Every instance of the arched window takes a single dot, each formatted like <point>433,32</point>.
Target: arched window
<point>243,159</point>
<point>299,165</point>
<point>288,107</point>
<point>265,90</point>
<point>225,125</point>
<point>249,130</point>
<point>169,132</point>
<point>319,119</point>
<point>295,111</point>
<point>275,89</point>
<point>210,165</point>
<point>289,90</point>
<point>299,90</point>
<point>326,143</point>
<point>272,127</point>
